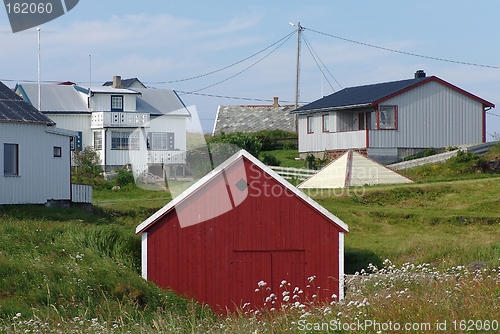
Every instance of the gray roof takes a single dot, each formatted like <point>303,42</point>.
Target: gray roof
<point>67,99</point>
<point>127,83</point>
<point>253,118</point>
<point>160,102</point>
<point>14,109</point>
<point>55,98</point>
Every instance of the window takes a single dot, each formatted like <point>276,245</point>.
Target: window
<point>326,123</point>
<point>361,121</point>
<point>388,117</point>
<point>310,124</point>
<point>161,141</point>
<point>116,103</point>
<point>57,152</point>
<point>124,140</point>
<point>98,140</point>
<point>10,159</point>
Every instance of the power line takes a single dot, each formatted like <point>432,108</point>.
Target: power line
<point>314,56</point>
<point>234,97</point>
<point>247,68</point>
<point>402,52</point>
<point>490,113</point>
<point>225,67</point>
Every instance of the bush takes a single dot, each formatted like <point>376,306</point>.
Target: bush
<point>124,178</point>
<point>235,141</point>
<point>87,167</point>
<point>270,159</point>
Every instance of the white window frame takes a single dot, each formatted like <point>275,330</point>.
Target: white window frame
<point>121,140</point>
<point>98,140</point>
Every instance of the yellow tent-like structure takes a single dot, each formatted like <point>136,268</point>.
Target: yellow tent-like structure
<point>352,169</point>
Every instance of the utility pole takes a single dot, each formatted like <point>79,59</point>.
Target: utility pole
<point>297,75</point>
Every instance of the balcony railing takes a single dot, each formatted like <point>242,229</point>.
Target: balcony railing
<point>113,119</point>
<point>167,157</point>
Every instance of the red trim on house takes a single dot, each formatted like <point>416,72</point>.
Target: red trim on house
<point>323,123</point>
<point>307,124</point>
<point>441,81</point>
<point>348,173</point>
<point>484,124</point>
<point>367,138</point>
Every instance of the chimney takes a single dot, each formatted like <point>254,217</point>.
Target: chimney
<point>419,74</point>
<point>276,104</point>
<point>117,81</point>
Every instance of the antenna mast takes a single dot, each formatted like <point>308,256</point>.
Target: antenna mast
<point>39,74</point>
<point>297,76</point>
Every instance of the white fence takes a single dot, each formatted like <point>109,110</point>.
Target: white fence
<point>81,193</point>
<point>294,173</point>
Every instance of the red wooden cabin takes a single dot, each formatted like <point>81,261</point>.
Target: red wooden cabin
<point>239,225</point>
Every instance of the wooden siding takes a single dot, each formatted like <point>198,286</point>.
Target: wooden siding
<point>42,176</point>
<point>102,102</point>
<point>76,122</point>
<point>432,115</point>
<point>272,235</point>
<point>320,141</point>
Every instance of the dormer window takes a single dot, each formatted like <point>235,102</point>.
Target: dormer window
<point>116,102</point>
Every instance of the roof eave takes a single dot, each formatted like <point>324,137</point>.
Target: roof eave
<point>352,106</point>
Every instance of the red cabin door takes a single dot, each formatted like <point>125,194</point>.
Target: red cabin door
<point>248,268</point>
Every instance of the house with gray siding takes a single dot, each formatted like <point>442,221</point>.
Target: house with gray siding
<point>391,120</point>
<point>34,154</point>
<point>124,121</point>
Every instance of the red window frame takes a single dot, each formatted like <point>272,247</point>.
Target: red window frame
<point>310,124</point>
<point>327,123</point>
<point>395,127</point>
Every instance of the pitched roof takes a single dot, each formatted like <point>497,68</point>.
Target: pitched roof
<point>160,102</point>
<point>253,118</point>
<point>14,109</point>
<point>238,157</point>
<point>126,83</point>
<point>55,98</point>
<point>68,99</point>
<point>371,95</point>
<point>352,169</point>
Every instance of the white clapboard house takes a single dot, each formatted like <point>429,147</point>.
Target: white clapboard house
<point>34,154</point>
<point>124,121</point>
<point>388,121</point>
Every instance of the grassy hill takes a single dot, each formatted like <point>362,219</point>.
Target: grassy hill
<point>76,270</point>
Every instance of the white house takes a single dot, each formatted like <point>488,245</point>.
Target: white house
<point>145,127</point>
<point>391,120</point>
<point>34,154</point>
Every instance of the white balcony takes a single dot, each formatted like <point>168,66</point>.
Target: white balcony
<point>167,157</point>
<point>111,119</point>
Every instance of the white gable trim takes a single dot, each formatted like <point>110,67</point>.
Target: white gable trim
<point>144,255</point>
<point>341,266</point>
<point>158,214</point>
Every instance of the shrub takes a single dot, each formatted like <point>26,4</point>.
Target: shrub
<point>124,178</point>
<point>87,167</point>
<point>270,159</point>
<point>234,141</point>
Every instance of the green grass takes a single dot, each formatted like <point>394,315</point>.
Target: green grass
<point>78,270</point>
<point>449,223</point>
<point>287,158</point>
